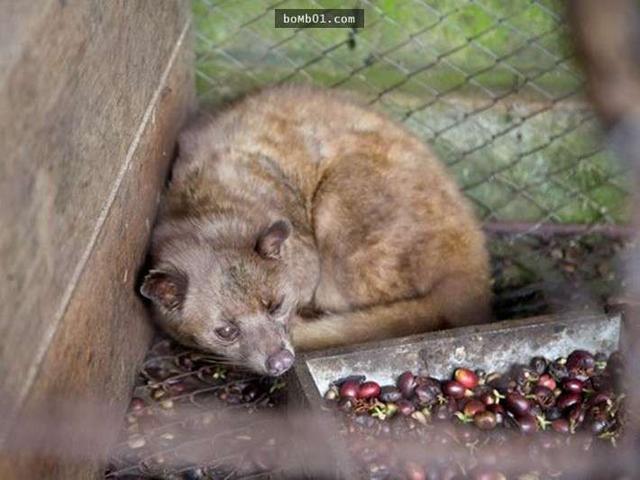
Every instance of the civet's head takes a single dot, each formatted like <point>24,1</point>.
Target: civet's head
<point>233,300</point>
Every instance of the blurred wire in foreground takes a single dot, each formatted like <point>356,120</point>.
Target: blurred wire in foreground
<point>607,38</point>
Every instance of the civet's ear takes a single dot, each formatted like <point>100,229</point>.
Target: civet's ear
<point>270,240</point>
<point>166,289</point>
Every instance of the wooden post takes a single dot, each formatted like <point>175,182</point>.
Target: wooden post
<point>92,94</point>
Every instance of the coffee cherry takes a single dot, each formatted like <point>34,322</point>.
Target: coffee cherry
<point>368,390</point>
<point>488,398</point>
<point>572,385</point>
<point>427,394</point>
<point>407,384</point>
<point>466,378</point>
<point>390,393</point>
<point>517,404</point>
<point>528,424</point>
<point>538,365</point>
<point>576,415</point>
<point>349,389</point>
<point>473,407</point>
<point>557,370</point>
<point>453,389</point>
<point>567,396</point>
<point>601,397</point>
<point>567,400</point>
<point>580,361</point>
<point>544,396</point>
<point>405,407</point>
<point>485,420</point>
<point>547,381</point>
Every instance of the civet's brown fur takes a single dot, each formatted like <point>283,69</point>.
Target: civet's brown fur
<point>381,242</point>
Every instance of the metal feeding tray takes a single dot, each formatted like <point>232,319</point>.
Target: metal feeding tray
<point>492,347</point>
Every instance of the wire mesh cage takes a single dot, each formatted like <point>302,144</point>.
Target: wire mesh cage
<point>492,87</point>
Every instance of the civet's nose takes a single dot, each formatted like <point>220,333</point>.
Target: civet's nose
<point>279,362</point>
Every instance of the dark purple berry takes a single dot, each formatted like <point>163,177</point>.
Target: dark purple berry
<point>517,404</point>
<point>407,384</point>
<point>601,382</point>
<point>453,389</point>
<point>250,392</point>
<point>390,393</point>
<point>557,370</point>
<point>601,398</point>
<point>576,415</point>
<point>528,424</point>
<point>405,407</point>
<point>580,361</point>
<point>427,394</point>
<point>572,385</point>
<point>567,400</point>
<point>538,365</point>
<point>544,396</point>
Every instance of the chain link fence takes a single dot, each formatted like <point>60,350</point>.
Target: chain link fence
<point>491,85</point>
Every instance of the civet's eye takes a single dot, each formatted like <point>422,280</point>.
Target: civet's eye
<point>228,333</point>
<point>273,307</point>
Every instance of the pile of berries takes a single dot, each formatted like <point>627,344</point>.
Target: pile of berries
<point>540,409</point>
